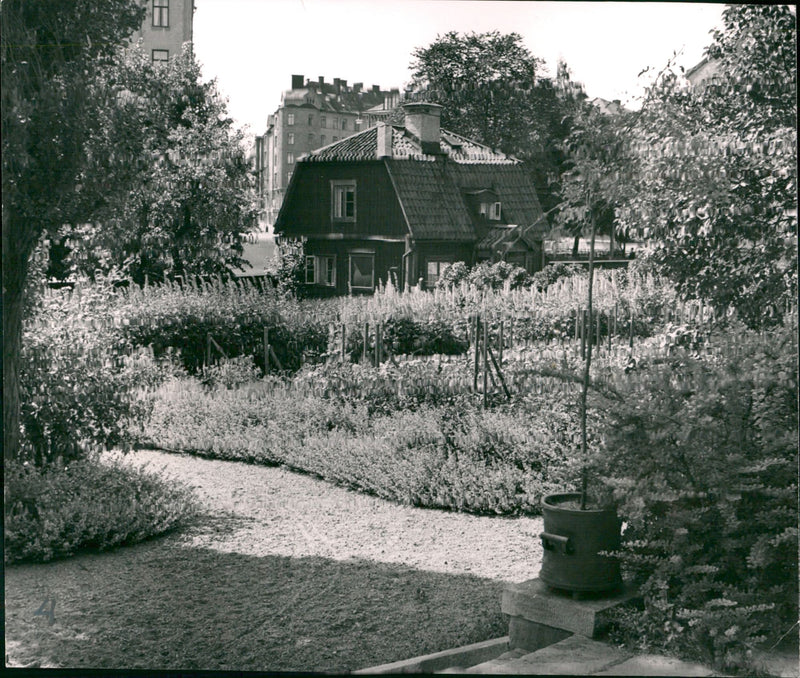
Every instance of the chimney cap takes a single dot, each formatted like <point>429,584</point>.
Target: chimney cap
<point>423,107</point>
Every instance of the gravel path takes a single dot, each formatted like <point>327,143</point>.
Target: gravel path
<point>290,514</point>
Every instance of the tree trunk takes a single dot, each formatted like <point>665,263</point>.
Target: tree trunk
<point>16,253</point>
<point>575,246</point>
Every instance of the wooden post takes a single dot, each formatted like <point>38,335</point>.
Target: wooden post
<point>344,343</point>
<point>598,329</point>
<point>266,351</point>
<point>608,322</point>
<point>378,338</point>
<point>631,340</point>
<point>366,341</point>
<point>500,349</point>
<point>477,326</point>
<point>485,361</point>
<point>208,348</point>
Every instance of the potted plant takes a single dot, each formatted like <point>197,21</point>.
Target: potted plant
<point>577,533</point>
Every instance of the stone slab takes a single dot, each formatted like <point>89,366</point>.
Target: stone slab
<point>656,665</point>
<point>586,615</point>
<point>533,636</point>
<point>573,656</point>
<point>468,655</point>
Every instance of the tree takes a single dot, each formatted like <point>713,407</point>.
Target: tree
<point>48,50</point>
<point>181,195</point>
<point>714,170</point>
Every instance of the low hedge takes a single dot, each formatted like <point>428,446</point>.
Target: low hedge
<point>54,511</point>
<point>454,456</point>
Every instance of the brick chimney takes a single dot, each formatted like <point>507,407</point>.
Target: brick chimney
<point>422,120</point>
<point>321,81</point>
<point>384,149</point>
<point>297,82</point>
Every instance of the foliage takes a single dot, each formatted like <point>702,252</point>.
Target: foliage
<point>452,276</point>
<point>452,455</point>
<point>405,336</point>
<point>702,457</point>
<point>713,169</point>
<point>554,272</point>
<point>55,511</point>
<point>231,372</point>
<point>74,396</point>
<point>290,266</point>
<point>48,51</point>
<point>168,178</point>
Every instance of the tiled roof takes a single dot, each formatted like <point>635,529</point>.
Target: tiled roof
<point>431,202</point>
<point>363,146</point>
<point>431,188</point>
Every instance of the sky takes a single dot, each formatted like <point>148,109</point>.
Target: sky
<point>252,47</point>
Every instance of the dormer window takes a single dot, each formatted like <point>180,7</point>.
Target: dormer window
<point>491,210</point>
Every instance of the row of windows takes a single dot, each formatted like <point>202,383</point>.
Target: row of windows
<point>323,121</point>
<point>290,139</point>
<point>321,270</point>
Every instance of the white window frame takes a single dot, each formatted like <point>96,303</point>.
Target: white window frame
<point>338,201</point>
<point>320,269</point>
<point>290,118</point>
<point>290,139</point>
<point>290,158</point>
<point>160,60</point>
<point>491,210</point>
<point>359,253</point>
<point>160,13</point>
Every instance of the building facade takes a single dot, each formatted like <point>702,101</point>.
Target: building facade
<point>312,114</point>
<point>401,202</point>
<point>167,25</point>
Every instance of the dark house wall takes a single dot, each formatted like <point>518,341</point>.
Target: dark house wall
<point>308,211</point>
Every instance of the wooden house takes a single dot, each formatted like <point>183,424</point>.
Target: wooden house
<point>401,202</point>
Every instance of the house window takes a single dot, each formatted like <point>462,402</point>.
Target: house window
<point>322,121</point>
<point>160,55</point>
<point>357,126</point>
<point>336,138</point>
<point>290,158</point>
<point>322,139</point>
<point>290,119</point>
<point>290,139</point>
<point>491,210</point>
<point>344,123</point>
<point>161,13</point>
<point>362,271</point>
<point>343,200</point>
<point>321,271</point>
<point>434,269</point>
<point>311,140</point>
<point>310,119</point>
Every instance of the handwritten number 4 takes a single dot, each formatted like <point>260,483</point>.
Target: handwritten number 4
<point>44,612</point>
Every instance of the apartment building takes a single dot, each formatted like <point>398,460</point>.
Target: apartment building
<point>166,27</point>
<point>312,114</point>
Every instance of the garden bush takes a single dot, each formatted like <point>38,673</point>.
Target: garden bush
<point>702,457</point>
<point>55,511</point>
<point>555,272</point>
<point>454,455</point>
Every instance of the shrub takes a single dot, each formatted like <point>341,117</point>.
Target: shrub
<point>75,391</point>
<point>496,276</point>
<point>452,276</point>
<point>451,455</point>
<point>703,458</point>
<point>231,373</point>
<point>54,511</point>
<point>556,271</point>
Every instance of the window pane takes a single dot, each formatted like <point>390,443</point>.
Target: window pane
<point>350,202</point>
<point>361,270</point>
<point>309,270</point>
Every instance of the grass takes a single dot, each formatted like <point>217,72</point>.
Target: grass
<point>163,605</point>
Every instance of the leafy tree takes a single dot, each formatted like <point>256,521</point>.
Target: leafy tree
<point>48,51</point>
<point>183,196</point>
<point>714,169</point>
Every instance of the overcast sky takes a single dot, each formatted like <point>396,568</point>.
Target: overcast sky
<point>252,47</point>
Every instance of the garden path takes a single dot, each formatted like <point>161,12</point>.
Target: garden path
<point>290,514</point>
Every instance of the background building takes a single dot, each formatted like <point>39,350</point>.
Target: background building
<point>312,114</point>
<point>166,27</point>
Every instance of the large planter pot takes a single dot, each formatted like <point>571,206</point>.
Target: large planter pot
<point>572,540</point>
